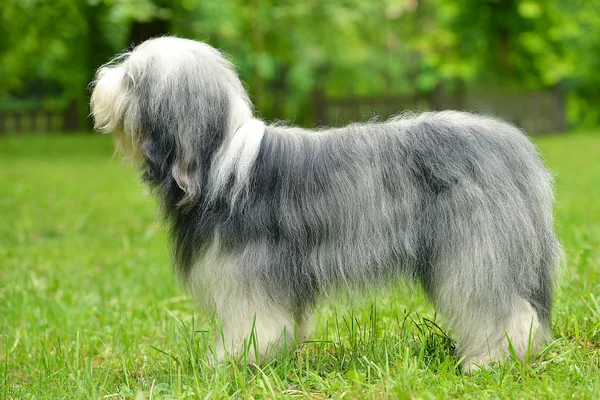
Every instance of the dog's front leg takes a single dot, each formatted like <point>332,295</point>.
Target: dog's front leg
<point>253,329</point>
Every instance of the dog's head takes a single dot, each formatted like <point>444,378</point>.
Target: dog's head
<point>170,103</point>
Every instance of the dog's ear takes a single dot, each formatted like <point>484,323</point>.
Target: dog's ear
<point>111,106</point>
<point>187,174</point>
<point>110,99</point>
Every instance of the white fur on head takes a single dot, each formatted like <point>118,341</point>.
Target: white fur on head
<point>171,92</point>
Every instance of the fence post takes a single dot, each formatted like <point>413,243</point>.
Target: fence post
<point>321,112</point>
<point>559,95</point>
<point>34,116</point>
<point>435,98</point>
<point>71,122</point>
<point>18,123</point>
<point>48,121</point>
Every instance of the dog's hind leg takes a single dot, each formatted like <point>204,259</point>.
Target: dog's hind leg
<point>483,267</point>
<point>485,336</point>
<point>484,303</point>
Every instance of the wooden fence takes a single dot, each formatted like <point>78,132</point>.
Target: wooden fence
<point>40,121</point>
<point>535,112</point>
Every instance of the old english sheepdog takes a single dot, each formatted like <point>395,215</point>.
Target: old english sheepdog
<point>266,219</point>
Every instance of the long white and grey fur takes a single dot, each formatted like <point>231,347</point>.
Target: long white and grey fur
<point>265,219</point>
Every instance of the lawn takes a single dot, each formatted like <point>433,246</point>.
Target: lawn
<point>89,307</point>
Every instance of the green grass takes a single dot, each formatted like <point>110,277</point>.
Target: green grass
<point>89,307</point>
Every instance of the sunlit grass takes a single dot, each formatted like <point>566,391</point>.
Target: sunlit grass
<point>89,307</point>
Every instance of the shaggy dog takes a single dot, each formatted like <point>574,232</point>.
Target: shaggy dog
<point>265,219</point>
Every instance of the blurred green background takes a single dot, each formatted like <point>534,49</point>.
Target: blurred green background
<point>89,307</point>
<point>320,62</point>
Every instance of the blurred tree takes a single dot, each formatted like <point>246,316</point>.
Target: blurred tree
<point>288,50</point>
<point>50,48</point>
<point>577,28</point>
<point>35,47</point>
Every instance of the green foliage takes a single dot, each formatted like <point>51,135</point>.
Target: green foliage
<point>89,307</point>
<point>288,49</point>
<point>41,41</point>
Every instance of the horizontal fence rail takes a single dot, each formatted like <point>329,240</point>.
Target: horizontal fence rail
<point>39,121</point>
<point>534,112</point>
